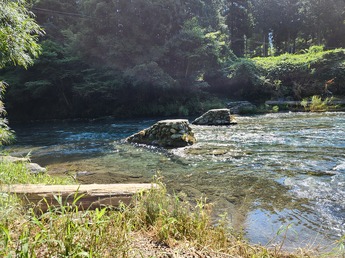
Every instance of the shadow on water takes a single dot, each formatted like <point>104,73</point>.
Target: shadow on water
<point>266,172</point>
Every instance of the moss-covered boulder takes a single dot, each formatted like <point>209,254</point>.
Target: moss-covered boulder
<point>166,133</point>
<point>215,117</point>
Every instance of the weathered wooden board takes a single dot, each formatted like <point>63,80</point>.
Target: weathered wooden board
<point>92,195</point>
<point>298,103</point>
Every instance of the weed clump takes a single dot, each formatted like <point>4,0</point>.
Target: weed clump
<point>316,104</point>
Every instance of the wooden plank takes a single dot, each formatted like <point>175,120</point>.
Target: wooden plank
<point>281,102</point>
<point>298,103</point>
<point>93,195</point>
<point>92,189</point>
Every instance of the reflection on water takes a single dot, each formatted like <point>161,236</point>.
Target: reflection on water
<point>265,172</point>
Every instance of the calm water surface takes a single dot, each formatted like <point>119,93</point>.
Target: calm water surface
<point>267,172</point>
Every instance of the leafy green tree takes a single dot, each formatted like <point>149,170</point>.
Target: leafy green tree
<point>190,52</point>
<point>6,135</point>
<point>18,46</point>
<point>18,34</point>
<point>45,89</point>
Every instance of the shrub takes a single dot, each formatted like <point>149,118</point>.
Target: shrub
<point>316,104</point>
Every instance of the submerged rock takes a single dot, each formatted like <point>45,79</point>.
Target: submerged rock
<point>166,133</point>
<point>215,117</point>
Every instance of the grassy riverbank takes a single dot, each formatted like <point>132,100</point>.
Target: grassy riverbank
<point>158,225</point>
<point>298,76</point>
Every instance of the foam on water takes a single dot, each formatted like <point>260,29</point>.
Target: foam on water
<point>340,167</point>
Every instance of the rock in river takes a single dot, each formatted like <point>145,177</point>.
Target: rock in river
<point>215,117</point>
<point>32,168</point>
<point>166,133</point>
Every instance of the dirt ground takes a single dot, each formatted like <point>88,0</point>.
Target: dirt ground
<point>144,246</point>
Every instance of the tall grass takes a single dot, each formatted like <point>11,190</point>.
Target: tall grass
<point>17,173</point>
<point>66,231</point>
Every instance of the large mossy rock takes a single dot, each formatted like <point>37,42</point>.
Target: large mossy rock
<point>215,117</point>
<point>166,133</point>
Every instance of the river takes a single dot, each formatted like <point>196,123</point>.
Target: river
<point>267,173</point>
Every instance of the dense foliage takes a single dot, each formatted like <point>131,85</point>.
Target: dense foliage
<point>18,46</point>
<point>18,34</point>
<point>296,76</point>
<point>168,57</point>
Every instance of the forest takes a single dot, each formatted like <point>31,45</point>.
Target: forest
<point>135,58</point>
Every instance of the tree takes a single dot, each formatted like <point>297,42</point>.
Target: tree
<point>324,22</point>
<point>6,135</point>
<point>45,88</point>
<point>295,25</point>
<point>18,46</point>
<point>58,18</point>
<point>123,34</point>
<point>266,15</point>
<point>288,26</point>
<point>18,34</point>
<point>240,23</point>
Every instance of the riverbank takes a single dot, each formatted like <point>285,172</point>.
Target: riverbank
<point>312,104</point>
<point>332,104</point>
<point>157,225</point>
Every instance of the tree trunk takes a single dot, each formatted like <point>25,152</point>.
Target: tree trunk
<point>264,45</point>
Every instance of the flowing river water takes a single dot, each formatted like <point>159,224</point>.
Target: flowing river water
<point>268,173</point>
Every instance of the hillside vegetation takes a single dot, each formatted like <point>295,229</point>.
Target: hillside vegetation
<point>296,76</point>
<point>175,58</point>
<point>149,91</point>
